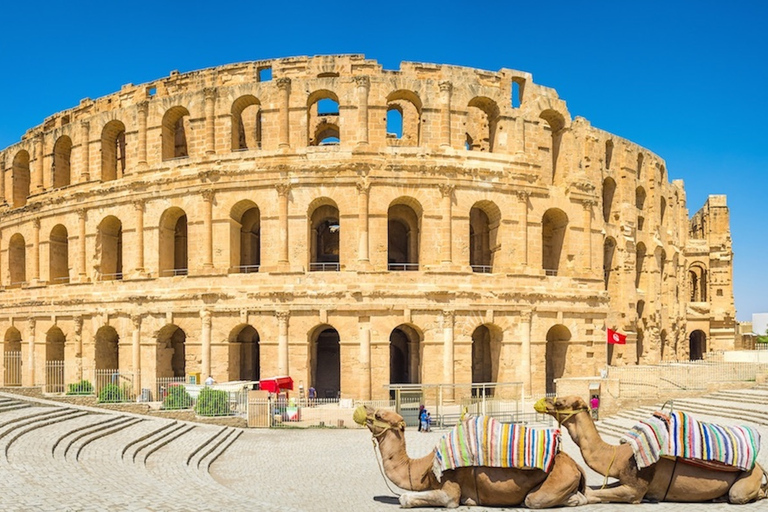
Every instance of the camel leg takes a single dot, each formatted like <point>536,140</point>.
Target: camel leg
<point>747,487</point>
<point>617,494</point>
<point>561,488</point>
<point>447,496</point>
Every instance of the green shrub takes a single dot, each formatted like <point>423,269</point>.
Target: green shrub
<point>112,393</point>
<point>83,387</point>
<point>212,402</point>
<point>177,398</point>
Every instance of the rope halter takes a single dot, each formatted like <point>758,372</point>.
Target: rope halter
<point>541,408</point>
<point>362,417</point>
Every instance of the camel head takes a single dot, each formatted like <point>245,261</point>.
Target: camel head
<point>561,408</point>
<point>378,421</point>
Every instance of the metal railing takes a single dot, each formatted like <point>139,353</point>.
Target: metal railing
<point>114,385</point>
<point>550,272</point>
<point>174,272</point>
<point>54,377</point>
<point>60,280</point>
<point>12,367</point>
<point>116,276</point>
<point>482,269</point>
<point>403,267</point>
<point>324,267</point>
<point>244,269</point>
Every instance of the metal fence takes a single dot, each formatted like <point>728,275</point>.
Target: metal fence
<point>54,377</point>
<point>12,366</point>
<point>114,385</point>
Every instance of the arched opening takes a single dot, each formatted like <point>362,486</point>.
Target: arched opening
<point>12,357</point>
<point>662,343</point>
<point>484,220</point>
<point>480,127</point>
<point>554,224</point>
<point>20,178</point>
<point>244,354</point>
<point>113,151</point>
<point>171,352</point>
<point>54,360</point>
<point>485,357</point>
<point>558,337</point>
<point>326,363</point>
<point>697,282</point>
<point>17,260</point>
<point>609,250</point>
<point>661,263</point>
<point>517,92</point>
<point>639,166</point>
<point>608,153</point>
<point>246,252</point>
<point>323,119</point>
<point>246,123</point>
<point>107,349</point>
<point>662,210</point>
<point>553,127</point>
<point>402,238</point>
<point>174,133</point>
<point>394,122</point>
<point>697,345</point>
<point>403,119</point>
<point>404,355</point>
<point>109,248</point>
<point>640,204</point>
<point>62,151</point>
<point>173,243</point>
<point>609,190</point>
<point>58,251</point>
<point>639,264</point>
<point>639,345</point>
<point>324,237</point>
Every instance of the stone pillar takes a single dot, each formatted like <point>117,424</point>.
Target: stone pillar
<point>363,189</point>
<point>136,353</point>
<point>85,150</point>
<point>205,315</point>
<point>79,346</point>
<point>3,269</point>
<point>210,120</point>
<point>284,85</point>
<point>523,197</point>
<point>35,250</point>
<point>365,362</point>
<point>448,362</point>
<point>208,228</point>
<point>142,110</point>
<point>446,191</point>
<point>588,204</point>
<point>445,114</point>
<point>30,373</point>
<point>37,177</point>
<point>138,206</point>
<point>363,85</point>
<point>519,139</point>
<point>283,189</point>
<point>525,351</point>
<point>282,342</point>
<point>82,274</point>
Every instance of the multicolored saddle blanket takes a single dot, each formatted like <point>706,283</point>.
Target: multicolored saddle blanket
<point>485,441</point>
<point>680,435</point>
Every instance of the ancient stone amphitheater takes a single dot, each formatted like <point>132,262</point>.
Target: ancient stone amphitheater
<point>349,226</point>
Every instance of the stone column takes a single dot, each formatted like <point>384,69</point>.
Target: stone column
<point>36,250</point>
<point>210,120</point>
<point>3,269</point>
<point>446,191</point>
<point>282,342</point>
<point>284,120</point>
<point>138,206</point>
<point>283,189</point>
<point>588,204</point>
<point>445,114</point>
<point>85,150</point>
<point>37,177</point>
<point>30,373</point>
<point>82,274</point>
<point>205,315</point>
<point>519,139</point>
<point>365,362</point>
<point>208,228</point>
<point>448,362</point>
<point>79,346</point>
<point>136,353</point>
<point>525,350</point>
<point>363,85</point>
<point>523,197</point>
<point>142,109</point>
<point>363,188</point>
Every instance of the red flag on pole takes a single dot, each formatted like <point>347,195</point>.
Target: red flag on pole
<point>615,338</point>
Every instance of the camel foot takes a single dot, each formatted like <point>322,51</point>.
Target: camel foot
<point>438,498</point>
<point>576,500</point>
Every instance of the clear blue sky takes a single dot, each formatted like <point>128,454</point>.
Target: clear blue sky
<point>687,80</point>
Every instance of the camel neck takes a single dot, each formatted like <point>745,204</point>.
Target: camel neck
<point>407,473</point>
<point>598,454</point>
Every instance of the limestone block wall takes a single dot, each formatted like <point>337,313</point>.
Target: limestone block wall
<point>261,218</point>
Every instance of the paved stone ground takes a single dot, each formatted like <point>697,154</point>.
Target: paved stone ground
<point>55,457</point>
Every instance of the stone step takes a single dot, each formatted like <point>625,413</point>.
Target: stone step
<point>167,439</point>
<point>20,430</point>
<point>207,453</point>
<point>134,444</point>
<point>148,444</point>
<point>122,423</point>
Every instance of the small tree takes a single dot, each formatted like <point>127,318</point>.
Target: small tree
<point>764,338</point>
<point>112,393</point>
<point>83,387</point>
<point>177,398</point>
<point>212,402</point>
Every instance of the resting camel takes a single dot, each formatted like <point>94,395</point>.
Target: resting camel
<point>666,480</point>
<point>486,486</point>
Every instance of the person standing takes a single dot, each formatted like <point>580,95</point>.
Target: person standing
<point>421,411</point>
<point>594,405</point>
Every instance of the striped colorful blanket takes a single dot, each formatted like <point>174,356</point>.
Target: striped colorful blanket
<point>484,441</point>
<point>681,435</point>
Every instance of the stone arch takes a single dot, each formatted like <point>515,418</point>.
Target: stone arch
<point>403,230</point>
<point>58,251</point>
<point>20,178</point>
<point>640,253</point>
<point>109,247</point>
<point>323,119</point>
<point>12,339</point>
<point>662,343</point>
<point>244,353</point>
<point>113,151</point>
<point>609,190</point>
<point>697,282</point>
<point>640,345</point>
<point>246,123</point>
<point>325,361</point>
<point>324,235</point>
<point>660,255</point>
<point>640,196</point>
<point>697,345</point>
<point>608,153</point>
<point>405,345</point>
<point>54,344</point>
<point>640,159</point>
<point>609,252</point>
<point>17,260</point>
<point>175,127</point>
<point>554,226</point>
<point>171,352</point>
<point>484,221</point>
<point>662,209</point>
<point>486,349</point>
<point>12,357</point>
<point>558,337</point>
<point>62,153</point>
<point>107,348</point>
<point>480,126</point>
<point>246,250</point>
<point>555,124</point>
<point>173,243</point>
<point>408,105</point>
